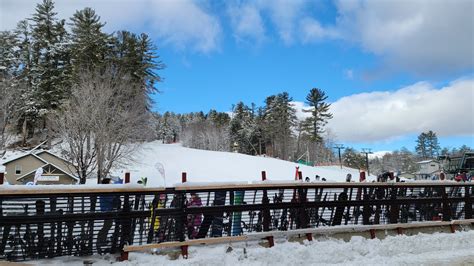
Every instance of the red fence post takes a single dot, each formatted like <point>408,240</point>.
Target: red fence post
<point>184,177</point>
<point>127,177</point>
<point>264,175</point>
<point>362,177</point>
<point>2,177</point>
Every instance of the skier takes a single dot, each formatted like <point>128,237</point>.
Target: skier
<point>317,177</point>
<point>307,179</point>
<point>194,221</point>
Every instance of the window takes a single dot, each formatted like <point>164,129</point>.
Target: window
<point>17,169</point>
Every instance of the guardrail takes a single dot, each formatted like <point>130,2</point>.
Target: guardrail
<point>69,220</point>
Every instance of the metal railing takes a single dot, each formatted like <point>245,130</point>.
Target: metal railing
<point>38,223</point>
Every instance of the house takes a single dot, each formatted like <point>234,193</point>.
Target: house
<point>21,170</point>
<point>428,168</point>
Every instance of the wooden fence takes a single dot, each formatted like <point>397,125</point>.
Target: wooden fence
<point>43,223</point>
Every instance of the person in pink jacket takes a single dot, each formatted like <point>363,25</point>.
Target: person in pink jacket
<point>194,220</point>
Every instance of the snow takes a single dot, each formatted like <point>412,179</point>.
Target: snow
<point>420,249</point>
<point>212,166</point>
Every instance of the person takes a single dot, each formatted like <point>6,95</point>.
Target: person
<point>307,179</point>
<point>323,179</point>
<point>348,177</point>
<point>442,176</point>
<point>458,178</point>
<point>106,204</point>
<point>317,177</point>
<point>194,220</point>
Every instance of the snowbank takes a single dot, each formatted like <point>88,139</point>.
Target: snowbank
<point>421,249</point>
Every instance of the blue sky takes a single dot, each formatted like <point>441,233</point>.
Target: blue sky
<point>392,69</point>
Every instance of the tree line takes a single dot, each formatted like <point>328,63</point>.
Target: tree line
<point>272,129</point>
<point>403,160</point>
<point>70,79</point>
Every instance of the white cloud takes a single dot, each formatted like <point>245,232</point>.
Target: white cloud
<point>247,18</point>
<point>384,116</point>
<point>414,109</point>
<point>247,22</point>
<point>183,23</point>
<point>424,36</point>
<point>312,31</point>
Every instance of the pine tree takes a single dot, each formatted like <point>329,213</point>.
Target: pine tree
<point>279,120</point>
<point>50,64</point>
<point>319,113</point>
<point>353,159</point>
<point>137,56</point>
<point>90,46</point>
<point>432,144</point>
<point>427,145</point>
<point>242,130</point>
<point>421,146</point>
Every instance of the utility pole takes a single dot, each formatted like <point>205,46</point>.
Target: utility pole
<point>367,152</point>
<point>339,147</point>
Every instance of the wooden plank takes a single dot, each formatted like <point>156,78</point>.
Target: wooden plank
<point>192,242</point>
<point>31,190</point>
<point>466,221</point>
<point>184,187</point>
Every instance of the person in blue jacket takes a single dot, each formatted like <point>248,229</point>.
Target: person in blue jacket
<point>107,204</point>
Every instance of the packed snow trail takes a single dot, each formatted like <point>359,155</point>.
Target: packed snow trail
<point>421,249</point>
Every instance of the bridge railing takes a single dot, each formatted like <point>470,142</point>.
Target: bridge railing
<point>70,220</point>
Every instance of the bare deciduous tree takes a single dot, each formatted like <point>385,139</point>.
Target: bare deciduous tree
<point>102,122</point>
<point>7,112</point>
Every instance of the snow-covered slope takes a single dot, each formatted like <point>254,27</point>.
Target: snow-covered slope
<point>211,166</point>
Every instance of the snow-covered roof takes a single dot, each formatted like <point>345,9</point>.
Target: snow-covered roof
<point>427,161</point>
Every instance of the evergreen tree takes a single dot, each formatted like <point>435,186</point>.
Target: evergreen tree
<point>279,120</point>
<point>136,55</point>
<point>427,145</point>
<point>319,113</point>
<point>50,67</point>
<point>421,146</point>
<point>90,47</point>
<point>353,159</point>
<point>243,129</point>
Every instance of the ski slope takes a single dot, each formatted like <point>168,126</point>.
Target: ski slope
<point>212,166</point>
<point>209,166</point>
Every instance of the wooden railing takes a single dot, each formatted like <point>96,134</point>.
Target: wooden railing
<point>73,220</point>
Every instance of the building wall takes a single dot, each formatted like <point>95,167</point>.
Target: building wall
<point>63,180</point>
<point>67,167</point>
<point>28,163</point>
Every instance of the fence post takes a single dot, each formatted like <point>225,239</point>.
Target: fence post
<point>264,175</point>
<point>362,176</point>
<point>184,177</point>
<point>127,177</point>
<point>300,175</point>
<point>2,177</point>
